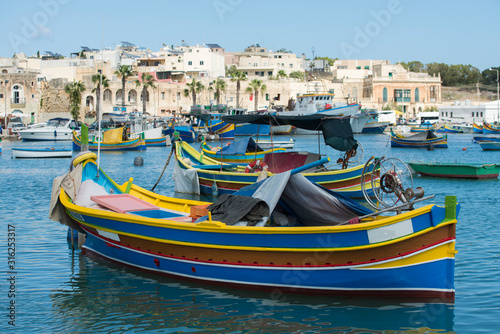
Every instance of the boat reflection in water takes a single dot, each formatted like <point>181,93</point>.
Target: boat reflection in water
<point>103,296</point>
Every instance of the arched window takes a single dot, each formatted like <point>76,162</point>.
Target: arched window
<point>106,96</point>
<point>132,96</point>
<point>118,96</point>
<point>417,95</point>
<point>18,94</point>
<point>385,94</point>
<point>146,94</point>
<point>89,102</point>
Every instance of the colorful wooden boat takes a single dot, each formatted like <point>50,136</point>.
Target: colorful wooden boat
<point>133,144</point>
<point>152,137</point>
<point>241,152</point>
<point>249,129</point>
<point>423,139</point>
<point>477,128</point>
<point>185,132</point>
<point>455,169</point>
<point>478,139</point>
<point>423,127</point>
<point>490,129</point>
<point>490,145</point>
<point>332,245</point>
<point>40,153</point>
<point>450,129</point>
<point>216,179</point>
<point>212,123</point>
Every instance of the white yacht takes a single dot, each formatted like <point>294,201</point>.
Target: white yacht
<point>323,104</point>
<point>55,129</point>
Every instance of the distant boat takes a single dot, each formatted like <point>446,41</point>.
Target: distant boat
<point>56,129</point>
<point>477,128</point>
<point>112,141</point>
<point>489,128</point>
<point>490,145</point>
<point>423,139</point>
<point>450,129</point>
<point>268,144</point>
<point>40,153</point>
<point>481,138</point>
<point>455,169</point>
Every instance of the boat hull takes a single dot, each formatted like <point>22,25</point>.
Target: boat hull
<point>129,145</point>
<point>490,145</point>
<point>248,129</point>
<point>40,153</point>
<point>456,170</point>
<point>47,135</point>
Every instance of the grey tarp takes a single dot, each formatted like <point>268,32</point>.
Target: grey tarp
<point>308,202</point>
<point>186,180</point>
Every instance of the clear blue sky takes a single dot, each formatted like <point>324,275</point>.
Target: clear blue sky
<point>444,31</point>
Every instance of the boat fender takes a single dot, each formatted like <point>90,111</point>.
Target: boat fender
<point>251,167</point>
<point>79,158</point>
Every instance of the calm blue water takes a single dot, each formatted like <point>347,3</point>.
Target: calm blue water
<point>59,290</point>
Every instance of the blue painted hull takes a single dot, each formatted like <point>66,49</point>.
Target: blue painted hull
<point>333,279</point>
<point>252,129</point>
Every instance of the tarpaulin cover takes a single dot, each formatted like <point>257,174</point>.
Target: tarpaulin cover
<point>241,146</point>
<point>337,132</point>
<point>113,136</point>
<point>310,203</point>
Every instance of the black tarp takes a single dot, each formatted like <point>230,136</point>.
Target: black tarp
<point>337,131</point>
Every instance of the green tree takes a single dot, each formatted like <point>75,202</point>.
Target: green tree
<point>238,76</point>
<point>75,91</point>
<point>413,66</point>
<point>194,88</point>
<point>147,80</point>
<point>123,72</point>
<point>219,86</point>
<point>331,61</point>
<point>96,80</point>
<point>489,76</point>
<point>297,75</point>
<point>254,87</point>
<point>281,73</point>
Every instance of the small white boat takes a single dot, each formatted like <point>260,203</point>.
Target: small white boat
<point>40,153</point>
<point>56,129</point>
<point>267,144</point>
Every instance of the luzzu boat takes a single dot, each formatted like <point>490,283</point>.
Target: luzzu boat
<point>450,129</point>
<point>112,141</point>
<point>477,128</point>
<point>214,178</point>
<point>423,139</point>
<point>329,245</point>
<point>241,152</point>
<point>490,128</point>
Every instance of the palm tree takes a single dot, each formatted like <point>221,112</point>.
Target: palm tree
<point>219,86</point>
<point>254,87</point>
<point>147,80</point>
<point>96,80</point>
<point>281,73</point>
<point>238,76</point>
<point>75,91</point>
<point>194,88</point>
<point>123,71</point>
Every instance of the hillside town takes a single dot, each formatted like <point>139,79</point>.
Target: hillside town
<point>34,86</point>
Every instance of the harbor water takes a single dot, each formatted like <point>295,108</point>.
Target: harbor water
<point>47,287</point>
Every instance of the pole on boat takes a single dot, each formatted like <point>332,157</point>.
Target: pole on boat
<point>100,104</point>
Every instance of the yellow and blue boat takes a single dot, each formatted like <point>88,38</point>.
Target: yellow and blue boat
<point>111,142</point>
<point>420,140</point>
<point>314,241</point>
<point>214,178</point>
<point>490,128</point>
<point>477,128</point>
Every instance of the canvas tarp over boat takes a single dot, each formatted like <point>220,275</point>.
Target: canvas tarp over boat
<point>113,136</point>
<point>288,198</point>
<point>337,132</point>
<point>421,136</point>
<point>241,146</point>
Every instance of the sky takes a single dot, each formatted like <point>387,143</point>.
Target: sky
<point>443,31</point>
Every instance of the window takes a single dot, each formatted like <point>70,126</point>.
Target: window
<point>481,114</point>
<point>358,67</point>
<point>417,95</point>
<point>202,62</point>
<point>267,97</point>
<point>291,65</point>
<point>163,95</point>
<point>367,67</point>
<point>384,94</point>
<point>255,64</point>
<point>451,113</point>
<point>190,62</point>
<point>270,73</point>
<point>1,96</point>
<point>390,74</point>
<point>472,114</point>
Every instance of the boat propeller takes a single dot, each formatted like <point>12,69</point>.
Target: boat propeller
<point>388,183</point>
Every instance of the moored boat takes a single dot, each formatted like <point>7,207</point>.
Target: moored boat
<point>422,140</point>
<point>490,145</point>
<point>40,153</point>
<point>268,144</point>
<point>477,139</point>
<point>477,128</point>
<point>490,128</point>
<point>55,129</point>
<point>112,141</point>
<point>329,245</point>
<point>455,169</point>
